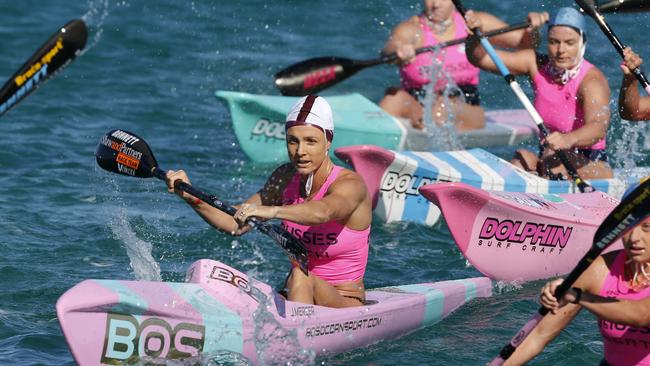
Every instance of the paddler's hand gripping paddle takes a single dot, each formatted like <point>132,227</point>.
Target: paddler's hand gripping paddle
<point>125,153</point>
<point>607,30</point>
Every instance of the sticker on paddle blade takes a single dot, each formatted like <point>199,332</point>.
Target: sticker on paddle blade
<point>295,250</point>
<point>125,153</point>
<point>313,75</point>
<point>57,52</point>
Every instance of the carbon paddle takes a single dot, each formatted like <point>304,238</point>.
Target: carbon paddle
<point>316,74</point>
<point>632,209</point>
<point>55,54</point>
<point>615,6</point>
<point>512,82</point>
<point>600,20</point>
<point>125,153</point>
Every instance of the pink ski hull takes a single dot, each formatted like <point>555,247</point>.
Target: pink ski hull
<point>222,311</point>
<point>511,236</point>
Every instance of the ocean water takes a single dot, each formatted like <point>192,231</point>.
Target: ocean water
<point>152,67</point>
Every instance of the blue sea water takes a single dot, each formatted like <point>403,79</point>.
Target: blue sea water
<point>152,67</point>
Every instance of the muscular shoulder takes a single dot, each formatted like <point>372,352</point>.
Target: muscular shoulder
<point>350,183</point>
<point>408,29</point>
<point>594,81</point>
<point>593,278</point>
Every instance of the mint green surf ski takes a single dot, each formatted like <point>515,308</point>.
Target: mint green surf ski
<point>258,121</point>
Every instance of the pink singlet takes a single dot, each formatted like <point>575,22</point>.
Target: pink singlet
<point>558,104</point>
<point>415,74</point>
<point>624,345</point>
<point>337,254</point>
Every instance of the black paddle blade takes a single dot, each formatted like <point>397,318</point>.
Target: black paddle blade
<point>632,209</point>
<point>62,47</point>
<point>615,6</point>
<point>313,75</point>
<point>125,153</point>
<point>588,6</point>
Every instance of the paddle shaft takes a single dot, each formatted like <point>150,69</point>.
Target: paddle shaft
<point>623,218</point>
<point>393,56</point>
<point>125,153</point>
<point>609,33</point>
<point>316,74</point>
<point>213,201</point>
<point>512,82</point>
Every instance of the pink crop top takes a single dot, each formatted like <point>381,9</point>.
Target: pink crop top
<point>415,74</point>
<point>337,254</point>
<point>558,104</point>
<point>624,345</point>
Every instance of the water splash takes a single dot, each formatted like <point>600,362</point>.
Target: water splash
<point>275,344</point>
<point>207,359</point>
<point>502,287</point>
<point>441,133</point>
<point>142,263</point>
<point>632,148</point>
<point>94,18</point>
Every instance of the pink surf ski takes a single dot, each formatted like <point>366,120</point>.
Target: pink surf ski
<point>222,311</point>
<point>511,236</point>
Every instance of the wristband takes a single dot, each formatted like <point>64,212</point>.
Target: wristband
<point>196,202</point>
<point>578,295</point>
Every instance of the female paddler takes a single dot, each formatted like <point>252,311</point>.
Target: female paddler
<point>324,205</point>
<point>440,22</point>
<point>616,288</point>
<point>632,106</point>
<point>571,95</point>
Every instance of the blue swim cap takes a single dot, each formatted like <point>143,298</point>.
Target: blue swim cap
<point>634,186</point>
<point>569,17</point>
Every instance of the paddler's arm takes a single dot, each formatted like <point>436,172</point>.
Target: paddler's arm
<point>216,218</point>
<point>635,313</point>
<point>594,97</point>
<point>519,39</point>
<point>521,62</point>
<point>632,106</point>
<point>221,220</point>
<point>561,314</point>
<point>339,203</point>
<point>547,329</point>
<point>403,41</point>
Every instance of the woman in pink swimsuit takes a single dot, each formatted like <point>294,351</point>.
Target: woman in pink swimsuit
<point>325,206</point>
<point>571,95</point>
<point>439,22</point>
<point>616,288</point>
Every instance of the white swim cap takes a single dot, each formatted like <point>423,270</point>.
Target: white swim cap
<point>314,111</point>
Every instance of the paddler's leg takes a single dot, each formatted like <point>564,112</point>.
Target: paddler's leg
<point>596,170</point>
<point>397,102</point>
<point>526,160</point>
<point>314,290</point>
<point>587,169</point>
<point>466,116</point>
